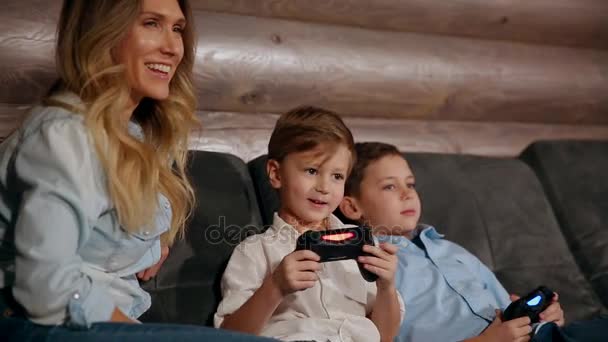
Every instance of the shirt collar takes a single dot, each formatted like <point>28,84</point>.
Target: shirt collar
<point>421,229</point>
<point>428,231</point>
<point>279,225</point>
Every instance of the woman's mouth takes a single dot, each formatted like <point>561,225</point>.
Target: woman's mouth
<point>159,70</point>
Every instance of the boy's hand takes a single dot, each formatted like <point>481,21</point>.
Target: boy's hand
<point>518,329</point>
<point>382,262</point>
<point>296,272</point>
<point>553,313</point>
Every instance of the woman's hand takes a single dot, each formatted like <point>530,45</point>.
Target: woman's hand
<point>151,271</point>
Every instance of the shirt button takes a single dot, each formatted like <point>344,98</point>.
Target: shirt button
<point>146,233</point>
<point>76,296</point>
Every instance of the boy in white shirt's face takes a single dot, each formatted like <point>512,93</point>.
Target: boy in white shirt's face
<point>293,296</point>
<point>310,184</point>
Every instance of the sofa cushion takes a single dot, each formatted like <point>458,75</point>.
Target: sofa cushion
<point>575,177</point>
<point>495,208</point>
<point>186,290</point>
<point>267,197</point>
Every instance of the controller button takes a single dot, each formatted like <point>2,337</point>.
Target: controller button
<point>534,301</point>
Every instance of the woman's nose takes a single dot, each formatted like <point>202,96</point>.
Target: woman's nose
<point>171,43</point>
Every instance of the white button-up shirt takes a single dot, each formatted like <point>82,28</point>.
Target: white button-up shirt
<point>334,309</point>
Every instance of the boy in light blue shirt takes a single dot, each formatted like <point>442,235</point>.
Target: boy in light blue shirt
<point>449,293</point>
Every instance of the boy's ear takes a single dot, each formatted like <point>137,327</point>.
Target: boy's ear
<point>272,170</point>
<point>350,208</point>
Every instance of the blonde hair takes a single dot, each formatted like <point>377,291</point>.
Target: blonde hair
<point>137,171</point>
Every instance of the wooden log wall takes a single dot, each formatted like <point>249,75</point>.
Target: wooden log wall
<point>480,77</point>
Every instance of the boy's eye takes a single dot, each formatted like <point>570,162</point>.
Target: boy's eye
<point>311,171</point>
<point>411,185</point>
<point>338,176</point>
<point>389,187</point>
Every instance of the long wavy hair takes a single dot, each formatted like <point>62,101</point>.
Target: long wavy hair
<point>137,171</point>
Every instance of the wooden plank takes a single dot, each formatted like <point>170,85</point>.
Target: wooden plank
<point>10,118</point>
<point>246,134</point>
<point>247,64</point>
<point>27,39</point>
<point>250,64</point>
<point>580,23</point>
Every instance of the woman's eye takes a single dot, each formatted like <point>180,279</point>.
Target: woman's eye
<point>411,185</point>
<point>151,23</point>
<point>178,29</point>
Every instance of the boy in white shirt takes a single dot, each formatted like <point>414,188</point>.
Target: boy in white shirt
<point>270,289</point>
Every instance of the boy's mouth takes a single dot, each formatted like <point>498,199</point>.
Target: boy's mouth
<point>408,212</point>
<point>317,202</point>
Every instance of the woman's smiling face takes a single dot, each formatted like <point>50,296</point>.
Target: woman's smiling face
<point>153,49</point>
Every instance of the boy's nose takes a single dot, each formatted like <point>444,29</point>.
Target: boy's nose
<point>321,186</point>
<point>321,189</point>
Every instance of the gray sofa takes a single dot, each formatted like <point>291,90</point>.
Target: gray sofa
<point>538,219</point>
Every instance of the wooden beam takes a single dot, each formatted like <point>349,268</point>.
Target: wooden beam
<point>248,64</point>
<point>579,23</point>
<point>246,134</point>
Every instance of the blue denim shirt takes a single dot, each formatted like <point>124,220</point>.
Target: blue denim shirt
<point>449,294</point>
<point>62,249</point>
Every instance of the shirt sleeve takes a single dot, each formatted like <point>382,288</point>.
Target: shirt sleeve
<point>371,299</point>
<point>61,193</point>
<point>243,276</point>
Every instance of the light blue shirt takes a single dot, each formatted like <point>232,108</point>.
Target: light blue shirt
<point>62,249</point>
<point>449,294</point>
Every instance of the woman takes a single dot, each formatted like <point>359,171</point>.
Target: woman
<point>94,181</point>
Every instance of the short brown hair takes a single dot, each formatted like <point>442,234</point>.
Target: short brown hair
<point>367,153</point>
<point>305,128</point>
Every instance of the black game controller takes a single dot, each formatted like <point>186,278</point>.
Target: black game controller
<point>530,305</point>
<point>339,244</point>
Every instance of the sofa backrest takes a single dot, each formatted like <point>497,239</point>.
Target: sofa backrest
<point>187,287</point>
<point>574,175</point>
<point>496,209</point>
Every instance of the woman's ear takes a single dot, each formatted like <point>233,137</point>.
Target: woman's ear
<point>350,208</point>
<point>274,176</point>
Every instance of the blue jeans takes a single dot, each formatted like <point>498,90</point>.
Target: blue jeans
<point>595,330</point>
<point>23,330</point>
